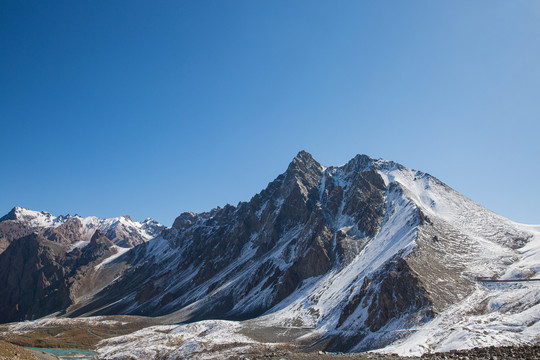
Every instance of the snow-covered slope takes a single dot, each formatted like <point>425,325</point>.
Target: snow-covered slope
<point>36,219</point>
<point>500,311</point>
<point>367,256</point>
<point>210,339</point>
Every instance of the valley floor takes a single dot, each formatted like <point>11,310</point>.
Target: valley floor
<point>14,352</point>
<point>86,334</point>
<point>118,337</point>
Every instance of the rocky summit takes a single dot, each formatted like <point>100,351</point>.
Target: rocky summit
<point>370,255</point>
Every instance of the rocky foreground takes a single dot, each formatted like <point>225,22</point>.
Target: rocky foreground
<point>487,353</point>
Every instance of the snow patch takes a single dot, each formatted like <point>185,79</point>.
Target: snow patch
<point>120,251</point>
<point>201,340</point>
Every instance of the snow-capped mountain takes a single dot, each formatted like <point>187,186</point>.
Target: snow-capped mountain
<point>50,262</point>
<point>364,255</point>
<point>76,230</point>
<point>368,255</point>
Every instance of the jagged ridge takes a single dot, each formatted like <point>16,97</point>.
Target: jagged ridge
<point>364,254</point>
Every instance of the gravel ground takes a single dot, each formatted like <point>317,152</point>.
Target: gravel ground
<point>41,355</point>
<point>13,352</point>
<point>488,353</point>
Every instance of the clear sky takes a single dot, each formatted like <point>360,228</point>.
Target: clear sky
<point>152,108</point>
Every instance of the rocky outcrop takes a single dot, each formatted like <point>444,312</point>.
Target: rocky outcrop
<point>32,275</point>
<point>394,293</point>
<point>11,230</point>
<point>17,224</point>
<point>398,292</point>
<point>66,233</point>
<point>40,277</point>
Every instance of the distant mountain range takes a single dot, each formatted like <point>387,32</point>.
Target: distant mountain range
<point>69,230</point>
<point>368,255</point>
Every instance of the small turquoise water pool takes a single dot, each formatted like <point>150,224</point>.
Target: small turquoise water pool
<point>71,354</point>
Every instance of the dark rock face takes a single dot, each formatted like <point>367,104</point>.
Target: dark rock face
<point>291,231</point>
<point>38,275</point>
<point>394,292</point>
<point>32,277</point>
<point>399,292</point>
<point>354,302</point>
<point>13,226</point>
<point>50,263</point>
<point>11,230</point>
<point>67,233</point>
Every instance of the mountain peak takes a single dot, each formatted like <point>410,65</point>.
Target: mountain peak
<point>24,214</point>
<point>11,215</point>
<point>303,161</point>
<point>100,238</point>
<point>360,162</point>
<point>303,155</point>
<point>304,170</point>
<point>97,235</point>
<point>17,212</point>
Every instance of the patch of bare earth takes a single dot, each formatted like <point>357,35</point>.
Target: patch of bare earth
<point>73,334</point>
<point>13,352</point>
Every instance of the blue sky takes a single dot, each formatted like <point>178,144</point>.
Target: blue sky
<point>152,108</point>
